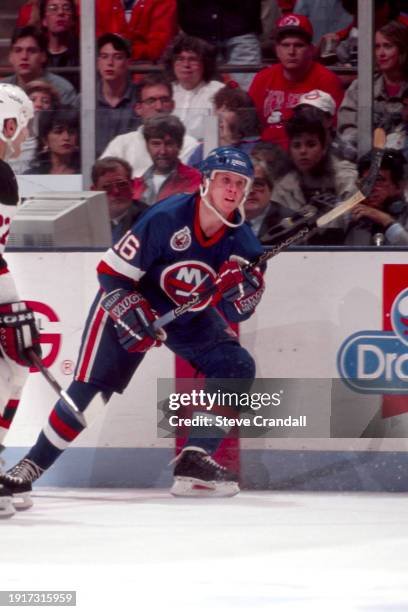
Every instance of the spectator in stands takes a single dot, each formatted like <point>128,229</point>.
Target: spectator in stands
<point>116,93</point>
<point>277,89</point>
<point>149,25</point>
<point>346,40</point>
<point>238,123</point>
<point>29,13</point>
<point>114,176</point>
<point>230,27</point>
<point>270,13</point>
<point>59,20</point>
<point>57,151</point>
<point>390,80</point>
<point>261,213</point>
<point>167,175</point>
<point>190,65</point>
<point>43,95</point>
<point>44,98</point>
<point>271,154</point>
<point>286,6</point>
<point>314,176</point>
<point>28,58</point>
<point>382,218</point>
<point>325,15</point>
<point>325,110</point>
<point>154,97</point>
<point>403,14</point>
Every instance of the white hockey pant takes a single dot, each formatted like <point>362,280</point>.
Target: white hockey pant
<point>12,379</point>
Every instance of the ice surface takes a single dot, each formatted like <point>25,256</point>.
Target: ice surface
<point>144,550</point>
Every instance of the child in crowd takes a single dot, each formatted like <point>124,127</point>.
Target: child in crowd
<point>314,176</point>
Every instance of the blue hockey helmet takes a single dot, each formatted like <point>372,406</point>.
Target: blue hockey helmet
<point>226,159</point>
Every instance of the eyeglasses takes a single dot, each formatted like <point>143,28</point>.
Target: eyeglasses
<point>115,186</point>
<point>52,9</point>
<point>153,100</point>
<point>187,59</point>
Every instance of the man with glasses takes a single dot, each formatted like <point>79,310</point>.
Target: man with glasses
<point>154,97</point>
<point>113,176</point>
<point>28,58</point>
<point>58,18</point>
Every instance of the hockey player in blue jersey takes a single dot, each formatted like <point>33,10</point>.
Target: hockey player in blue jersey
<point>178,247</point>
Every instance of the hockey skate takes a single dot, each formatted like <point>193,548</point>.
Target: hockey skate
<point>18,481</point>
<point>6,502</point>
<point>196,474</point>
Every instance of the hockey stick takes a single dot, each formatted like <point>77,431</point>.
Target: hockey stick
<point>306,228</point>
<point>68,401</point>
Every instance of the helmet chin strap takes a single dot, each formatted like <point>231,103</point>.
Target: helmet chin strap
<point>204,187</point>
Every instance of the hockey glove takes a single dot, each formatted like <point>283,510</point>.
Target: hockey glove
<point>244,288</point>
<point>133,319</point>
<point>18,332</point>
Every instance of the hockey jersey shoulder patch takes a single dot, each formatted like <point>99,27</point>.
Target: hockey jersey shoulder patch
<point>181,239</point>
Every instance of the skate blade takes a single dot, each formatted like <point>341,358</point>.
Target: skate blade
<point>6,507</point>
<point>22,501</point>
<point>193,487</point>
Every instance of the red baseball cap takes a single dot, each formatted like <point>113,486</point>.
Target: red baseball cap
<point>299,25</point>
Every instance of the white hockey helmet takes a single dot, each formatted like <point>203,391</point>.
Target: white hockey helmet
<point>14,104</point>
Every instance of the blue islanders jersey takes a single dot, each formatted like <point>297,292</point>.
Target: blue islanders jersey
<point>167,256</point>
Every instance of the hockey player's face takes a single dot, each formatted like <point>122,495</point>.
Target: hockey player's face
<point>14,147</point>
<point>226,191</point>
<point>164,153</point>
<point>306,151</point>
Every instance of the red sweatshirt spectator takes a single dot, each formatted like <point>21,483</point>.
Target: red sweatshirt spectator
<point>277,89</point>
<point>151,27</point>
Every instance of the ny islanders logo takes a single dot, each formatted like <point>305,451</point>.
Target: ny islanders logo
<point>183,280</point>
<point>377,361</point>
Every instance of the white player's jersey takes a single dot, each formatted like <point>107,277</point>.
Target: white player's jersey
<point>8,201</point>
<point>6,215</point>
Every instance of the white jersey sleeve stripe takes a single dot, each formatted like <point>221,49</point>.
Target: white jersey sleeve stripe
<point>120,266</point>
